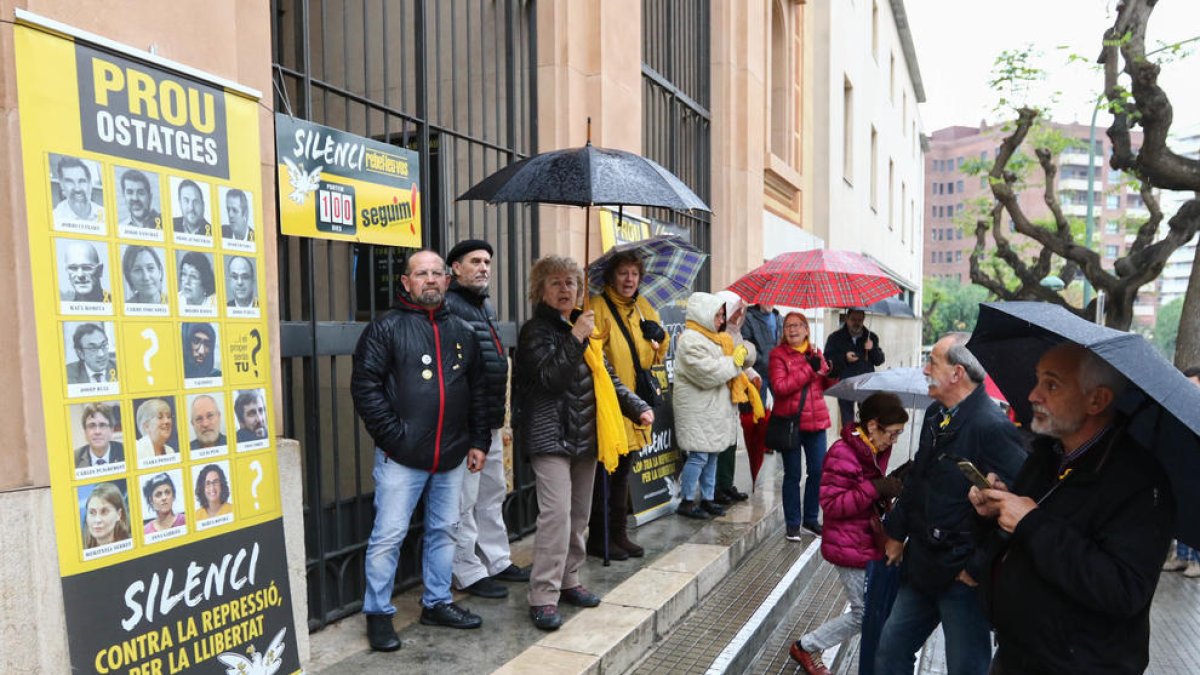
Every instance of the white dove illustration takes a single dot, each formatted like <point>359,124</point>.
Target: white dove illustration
<point>302,182</point>
<point>259,663</point>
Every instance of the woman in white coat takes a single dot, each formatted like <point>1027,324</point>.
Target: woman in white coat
<point>709,385</point>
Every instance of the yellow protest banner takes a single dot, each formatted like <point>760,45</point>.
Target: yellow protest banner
<point>143,185</point>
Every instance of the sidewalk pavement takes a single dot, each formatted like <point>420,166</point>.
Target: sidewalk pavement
<point>642,600</point>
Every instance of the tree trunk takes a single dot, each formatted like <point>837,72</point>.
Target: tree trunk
<point>1187,344</point>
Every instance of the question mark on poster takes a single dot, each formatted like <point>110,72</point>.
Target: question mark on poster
<point>152,337</point>
<point>257,348</point>
<point>256,466</point>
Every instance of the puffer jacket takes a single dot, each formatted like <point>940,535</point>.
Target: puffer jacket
<point>848,499</point>
<point>417,385</point>
<point>630,311</point>
<point>790,374</point>
<point>932,512</point>
<point>554,400</point>
<point>706,419</point>
<point>475,309</point>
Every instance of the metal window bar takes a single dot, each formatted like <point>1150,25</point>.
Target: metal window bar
<point>676,94</point>
<point>401,87</point>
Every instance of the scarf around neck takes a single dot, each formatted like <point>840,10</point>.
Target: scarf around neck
<point>740,389</point>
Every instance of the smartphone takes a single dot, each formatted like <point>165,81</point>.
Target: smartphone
<point>973,474</point>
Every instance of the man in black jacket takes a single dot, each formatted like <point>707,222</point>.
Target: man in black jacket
<point>481,554</point>
<point>418,387</point>
<point>1088,521</point>
<point>852,350</point>
<point>933,527</point>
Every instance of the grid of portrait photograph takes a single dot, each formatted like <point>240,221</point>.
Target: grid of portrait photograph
<point>148,265</point>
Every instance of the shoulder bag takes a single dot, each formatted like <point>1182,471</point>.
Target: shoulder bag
<point>783,432</point>
<point>649,387</point>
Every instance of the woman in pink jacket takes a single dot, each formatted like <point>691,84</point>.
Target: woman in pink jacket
<point>798,373</point>
<point>854,488</point>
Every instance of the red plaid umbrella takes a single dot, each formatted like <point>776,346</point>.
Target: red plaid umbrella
<point>817,278</point>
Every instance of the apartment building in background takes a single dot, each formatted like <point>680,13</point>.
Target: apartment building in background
<point>950,191</point>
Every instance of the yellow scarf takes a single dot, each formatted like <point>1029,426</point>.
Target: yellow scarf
<point>610,430</point>
<point>740,389</point>
<point>866,438</point>
<point>803,346</point>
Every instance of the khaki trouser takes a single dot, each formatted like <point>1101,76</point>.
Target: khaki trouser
<point>564,493</point>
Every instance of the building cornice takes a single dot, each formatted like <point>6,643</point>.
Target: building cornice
<point>900,17</point>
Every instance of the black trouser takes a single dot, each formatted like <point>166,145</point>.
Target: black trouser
<point>618,496</point>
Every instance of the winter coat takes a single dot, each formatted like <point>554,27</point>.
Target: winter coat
<point>554,400</point>
<point>839,343</point>
<point>474,308</point>
<point>706,419</point>
<point>1070,589</point>
<point>848,499</point>
<point>791,373</point>
<point>417,384</point>
<point>932,512</point>
<point>756,331</point>
<point>616,347</point>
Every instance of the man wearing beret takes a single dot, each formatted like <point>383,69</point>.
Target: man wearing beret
<point>482,553</point>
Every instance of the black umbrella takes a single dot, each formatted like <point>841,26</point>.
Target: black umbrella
<point>892,306</point>
<point>587,176</point>
<point>1162,406</point>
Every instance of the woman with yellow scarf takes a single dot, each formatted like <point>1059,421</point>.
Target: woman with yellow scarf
<point>567,408</point>
<point>633,337</point>
<point>709,385</point>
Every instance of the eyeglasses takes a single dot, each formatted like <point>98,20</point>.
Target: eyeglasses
<point>94,349</point>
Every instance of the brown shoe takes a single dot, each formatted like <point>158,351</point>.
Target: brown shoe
<point>631,548</point>
<point>810,661</point>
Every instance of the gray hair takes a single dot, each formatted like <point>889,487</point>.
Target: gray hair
<point>149,410</point>
<point>959,355</point>
<point>1096,372</point>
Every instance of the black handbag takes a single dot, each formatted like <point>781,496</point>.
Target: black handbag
<point>649,387</point>
<point>783,432</point>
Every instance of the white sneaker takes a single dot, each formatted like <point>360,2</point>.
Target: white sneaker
<point>1193,570</point>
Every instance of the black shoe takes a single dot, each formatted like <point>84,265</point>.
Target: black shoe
<point>450,615</point>
<point>793,534</point>
<point>712,508</point>
<point>512,573</point>
<point>722,498</point>
<point>735,495</point>
<point>546,617</point>
<point>487,588</point>
<point>689,509</point>
<point>580,597</point>
<point>815,528</point>
<point>614,552</point>
<point>629,546</point>
<point>380,634</point>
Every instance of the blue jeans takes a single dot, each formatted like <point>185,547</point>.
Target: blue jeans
<point>700,466</point>
<point>398,488</point>
<point>914,618</point>
<point>1185,552</point>
<point>813,444</point>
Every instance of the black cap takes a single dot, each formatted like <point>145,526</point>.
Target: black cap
<point>466,246</point>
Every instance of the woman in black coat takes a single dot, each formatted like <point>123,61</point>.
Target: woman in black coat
<point>554,408</point>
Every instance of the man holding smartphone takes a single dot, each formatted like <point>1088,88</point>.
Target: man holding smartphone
<point>932,528</point>
<point>1086,527</point>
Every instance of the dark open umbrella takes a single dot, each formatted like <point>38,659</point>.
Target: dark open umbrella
<point>891,306</point>
<point>1162,406</point>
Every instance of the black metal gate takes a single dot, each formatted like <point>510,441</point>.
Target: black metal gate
<point>454,81</point>
<point>676,87</point>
